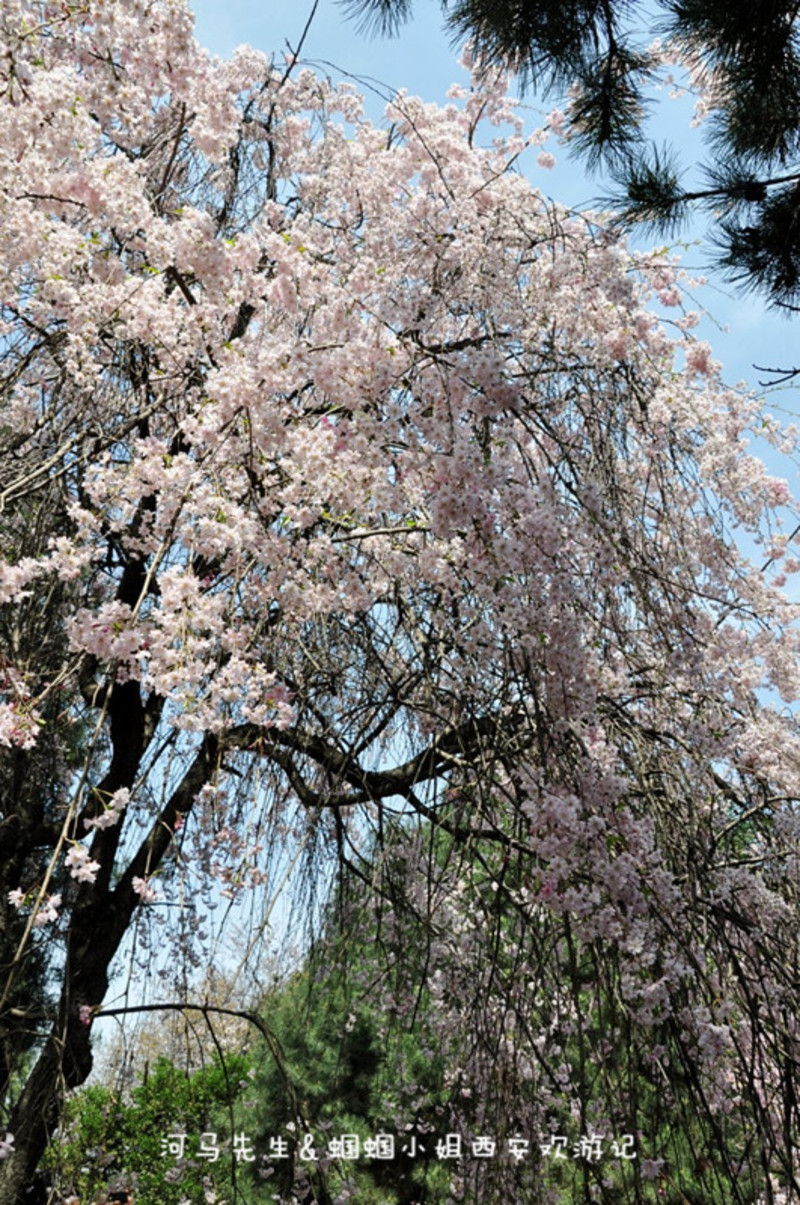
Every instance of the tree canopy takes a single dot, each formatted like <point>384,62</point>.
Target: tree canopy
<point>360,516</point>
<point>742,60</point>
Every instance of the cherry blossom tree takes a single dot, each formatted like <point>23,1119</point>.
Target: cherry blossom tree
<point>344,482</point>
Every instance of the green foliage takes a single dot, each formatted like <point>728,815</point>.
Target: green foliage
<point>109,1137</point>
<point>350,1065</point>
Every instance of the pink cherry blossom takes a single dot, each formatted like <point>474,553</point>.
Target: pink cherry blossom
<point>86,1012</point>
<point>47,913</point>
<point>81,867</point>
<point>146,893</point>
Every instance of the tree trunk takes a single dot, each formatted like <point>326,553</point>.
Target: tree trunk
<point>37,1112</point>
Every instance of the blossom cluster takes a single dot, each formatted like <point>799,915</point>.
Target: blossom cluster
<point>80,865</point>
